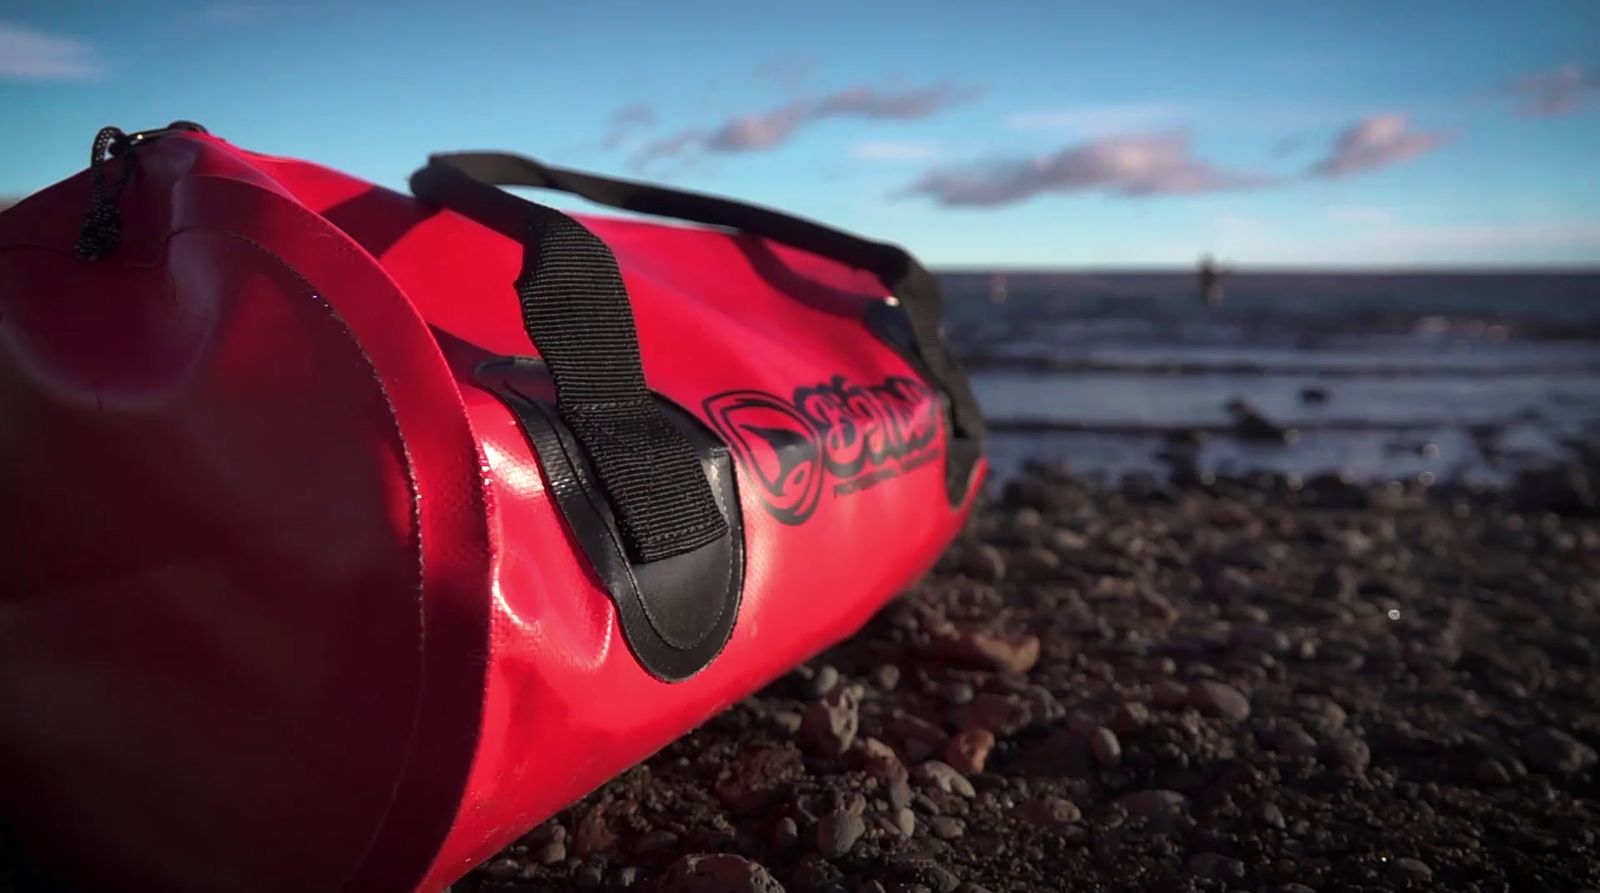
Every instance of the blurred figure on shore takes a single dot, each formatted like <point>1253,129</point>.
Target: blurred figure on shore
<point>997,289</point>
<point>1211,281</point>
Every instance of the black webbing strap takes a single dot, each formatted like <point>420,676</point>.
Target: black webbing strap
<point>576,311</point>
<point>916,289</point>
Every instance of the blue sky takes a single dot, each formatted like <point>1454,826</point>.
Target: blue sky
<point>1348,134</point>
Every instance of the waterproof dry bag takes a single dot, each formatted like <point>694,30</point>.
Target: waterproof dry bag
<point>346,534</point>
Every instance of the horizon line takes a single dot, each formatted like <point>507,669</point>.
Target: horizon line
<point>1280,269</point>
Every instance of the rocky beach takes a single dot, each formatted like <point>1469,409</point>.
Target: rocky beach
<point>1303,595</point>
<point>1254,683</point>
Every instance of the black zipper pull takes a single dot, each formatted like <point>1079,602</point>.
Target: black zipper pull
<point>102,227</point>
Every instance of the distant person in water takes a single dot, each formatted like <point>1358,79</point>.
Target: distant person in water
<point>1211,281</point>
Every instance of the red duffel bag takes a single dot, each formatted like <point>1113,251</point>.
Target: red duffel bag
<point>349,534</point>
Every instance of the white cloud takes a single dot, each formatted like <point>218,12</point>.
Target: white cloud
<point>1377,141</point>
<point>30,55</point>
<point>768,129</point>
<point>1552,94</point>
<point>1130,165</point>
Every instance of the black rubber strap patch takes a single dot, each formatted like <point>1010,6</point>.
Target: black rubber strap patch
<point>676,613</point>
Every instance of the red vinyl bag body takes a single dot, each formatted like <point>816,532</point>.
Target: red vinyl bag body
<point>308,580</point>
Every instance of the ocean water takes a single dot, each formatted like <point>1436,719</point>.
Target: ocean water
<point>1443,376</point>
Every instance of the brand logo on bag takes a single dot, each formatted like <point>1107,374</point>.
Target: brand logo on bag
<point>852,436</point>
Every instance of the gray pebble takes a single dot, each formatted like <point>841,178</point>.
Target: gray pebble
<point>905,821</point>
<point>946,827</point>
<point>959,693</point>
<point>1213,866</point>
<point>944,777</point>
<point>1492,772</point>
<point>984,563</point>
<point>886,677</point>
<point>1156,805</point>
<point>1106,748</point>
<point>1051,811</point>
<point>717,873</point>
<point>1251,613</point>
<point>824,681</point>
<point>787,721</point>
<point>785,834</point>
<point>503,869</point>
<point>830,724</point>
<point>1554,751</point>
<point>1219,699</point>
<point>551,852</point>
<point>880,760</point>
<point>545,833</point>
<point>939,879</point>
<point>900,793</point>
<point>1131,717</point>
<point>1066,540</point>
<point>838,832</point>
<point>1287,737</point>
<point>1324,715</point>
<point>1168,694</point>
<point>1411,871</point>
<point>1346,751</point>
<point>1260,637</point>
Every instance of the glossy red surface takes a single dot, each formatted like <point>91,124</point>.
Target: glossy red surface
<point>285,605</point>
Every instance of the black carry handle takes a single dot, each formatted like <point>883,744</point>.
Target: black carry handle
<point>576,311</point>
<point>916,290</point>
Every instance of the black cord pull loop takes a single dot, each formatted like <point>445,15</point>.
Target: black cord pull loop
<point>102,227</point>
